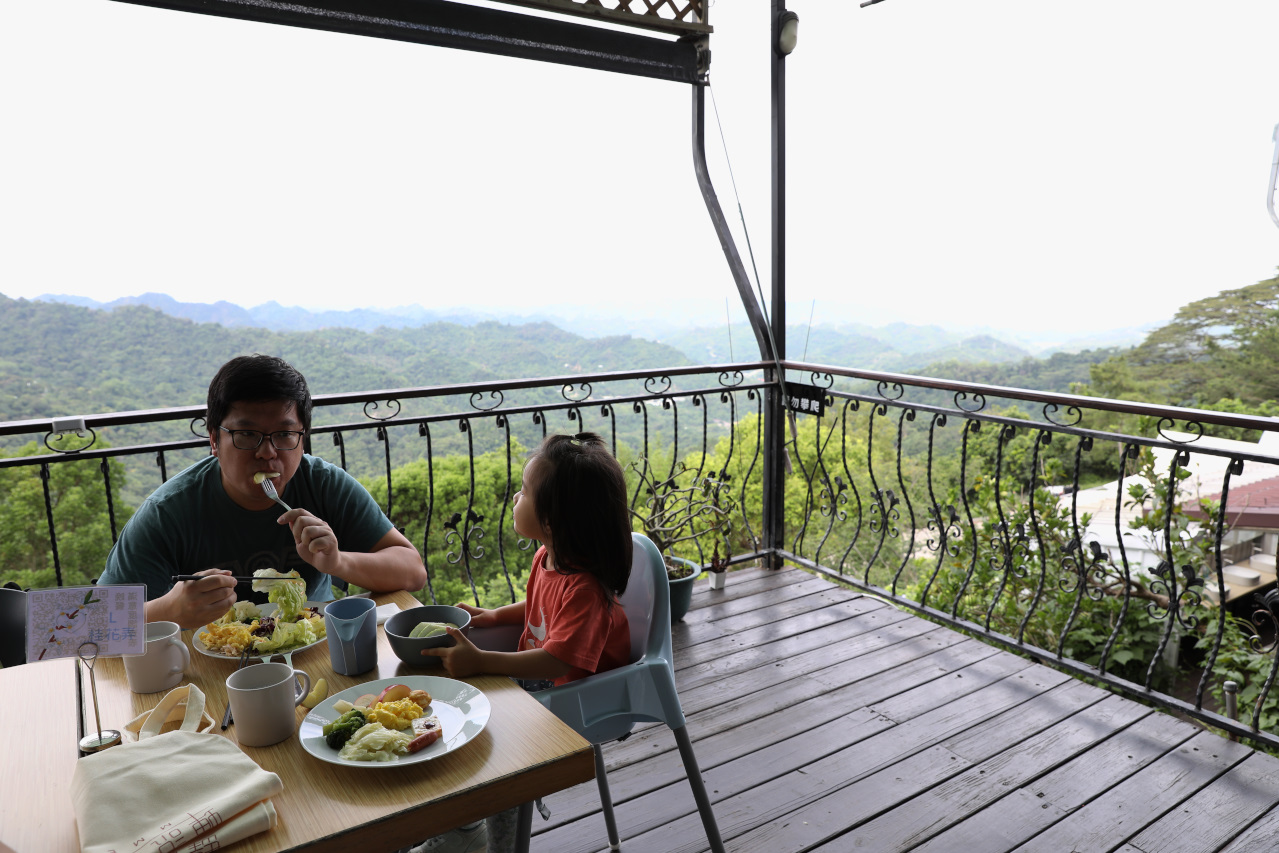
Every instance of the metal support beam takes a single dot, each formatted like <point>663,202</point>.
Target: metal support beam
<point>774,411</point>
<point>457,25</point>
<point>759,324</point>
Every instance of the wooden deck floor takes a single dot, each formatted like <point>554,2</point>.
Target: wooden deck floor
<point>828,721</point>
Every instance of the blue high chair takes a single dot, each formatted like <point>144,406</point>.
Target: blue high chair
<point>606,706</point>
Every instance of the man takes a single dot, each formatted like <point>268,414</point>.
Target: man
<point>214,520</point>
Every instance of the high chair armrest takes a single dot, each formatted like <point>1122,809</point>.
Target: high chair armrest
<point>503,638</point>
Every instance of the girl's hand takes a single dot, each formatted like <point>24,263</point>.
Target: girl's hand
<point>461,659</point>
<point>480,617</point>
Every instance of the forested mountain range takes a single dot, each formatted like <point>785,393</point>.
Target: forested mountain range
<point>899,347</point>
<point>58,359</point>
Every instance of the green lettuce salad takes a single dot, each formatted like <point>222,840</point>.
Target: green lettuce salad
<point>289,598</point>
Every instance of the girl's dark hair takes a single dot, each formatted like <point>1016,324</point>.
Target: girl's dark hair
<point>255,379</point>
<point>581,500</point>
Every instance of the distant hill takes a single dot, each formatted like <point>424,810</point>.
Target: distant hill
<point>681,324</point>
<point>58,359</point>
<point>273,315</point>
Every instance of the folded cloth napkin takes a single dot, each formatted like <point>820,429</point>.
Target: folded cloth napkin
<point>181,791</point>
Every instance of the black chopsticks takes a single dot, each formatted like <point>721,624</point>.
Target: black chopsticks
<point>236,578</point>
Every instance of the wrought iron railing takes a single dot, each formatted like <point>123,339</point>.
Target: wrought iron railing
<point>971,505</point>
<point>968,504</point>
<point>373,434</point>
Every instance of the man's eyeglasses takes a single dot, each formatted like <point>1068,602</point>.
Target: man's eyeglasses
<point>251,439</point>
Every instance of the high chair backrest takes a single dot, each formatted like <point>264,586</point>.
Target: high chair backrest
<point>646,592</point>
<point>606,706</point>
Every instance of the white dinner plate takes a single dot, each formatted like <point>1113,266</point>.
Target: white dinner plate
<point>463,711</point>
<point>266,610</point>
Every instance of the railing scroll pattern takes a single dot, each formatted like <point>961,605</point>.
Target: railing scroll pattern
<point>973,517</point>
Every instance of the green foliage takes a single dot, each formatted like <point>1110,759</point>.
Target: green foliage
<point>1244,662</point>
<point>1020,571</point>
<point>458,514</point>
<point>80,517</point>
<point>1222,347</point>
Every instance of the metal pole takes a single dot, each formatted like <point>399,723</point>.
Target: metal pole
<point>1232,702</point>
<point>774,411</point>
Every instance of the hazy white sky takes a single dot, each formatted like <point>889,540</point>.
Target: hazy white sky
<point>952,163</point>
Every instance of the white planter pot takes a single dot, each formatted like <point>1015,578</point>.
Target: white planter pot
<point>718,579</point>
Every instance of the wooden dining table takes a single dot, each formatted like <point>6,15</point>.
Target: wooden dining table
<point>524,752</point>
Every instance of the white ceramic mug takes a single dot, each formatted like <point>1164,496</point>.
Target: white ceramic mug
<point>263,697</point>
<point>162,666</point>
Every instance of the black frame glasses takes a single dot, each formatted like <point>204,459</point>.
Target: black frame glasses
<point>251,439</point>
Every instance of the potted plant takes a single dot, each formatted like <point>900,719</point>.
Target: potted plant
<point>685,506</point>
<point>718,569</point>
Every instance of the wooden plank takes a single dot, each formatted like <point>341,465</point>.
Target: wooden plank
<point>1123,811</point>
<point>743,583</point>
<point>832,816</point>
<point>798,600</point>
<point>1017,746</point>
<point>761,639</point>
<point>1088,774</point>
<point>912,703</point>
<point>770,720</point>
<point>826,632</point>
<point>790,702</point>
<point>762,594</point>
<point>652,810</point>
<point>717,693</point>
<point>765,805</point>
<point>1220,810</point>
<point>1261,837</point>
<point>878,675</point>
<point>895,792</point>
<point>753,765</point>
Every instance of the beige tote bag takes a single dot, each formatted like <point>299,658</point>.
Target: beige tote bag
<point>181,790</point>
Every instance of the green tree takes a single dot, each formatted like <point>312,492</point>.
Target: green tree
<point>1221,346</point>
<point>78,498</point>
<point>1019,570</point>
<point>458,513</point>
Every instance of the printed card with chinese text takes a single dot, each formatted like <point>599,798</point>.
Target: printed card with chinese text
<point>60,620</point>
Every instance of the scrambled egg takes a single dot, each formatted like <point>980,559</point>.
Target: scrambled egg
<point>396,715</point>
<point>227,639</point>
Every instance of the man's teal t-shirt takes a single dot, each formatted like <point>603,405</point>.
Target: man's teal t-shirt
<point>189,524</point>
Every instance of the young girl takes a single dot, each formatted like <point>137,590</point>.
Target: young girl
<point>573,501</point>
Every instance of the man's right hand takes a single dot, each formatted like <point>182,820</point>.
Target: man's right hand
<point>194,604</point>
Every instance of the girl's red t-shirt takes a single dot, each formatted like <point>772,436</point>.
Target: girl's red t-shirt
<point>569,617</point>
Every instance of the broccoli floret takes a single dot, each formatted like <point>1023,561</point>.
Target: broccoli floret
<point>338,732</point>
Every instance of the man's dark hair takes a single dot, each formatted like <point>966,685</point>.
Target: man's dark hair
<point>256,379</point>
<point>581,499</point>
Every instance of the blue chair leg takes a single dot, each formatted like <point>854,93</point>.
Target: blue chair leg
<point>699,788</point>
<point>606,800</point>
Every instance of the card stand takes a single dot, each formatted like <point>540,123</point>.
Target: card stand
<point>104,739</point>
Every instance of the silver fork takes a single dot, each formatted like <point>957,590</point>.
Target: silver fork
<point>269,488</point>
